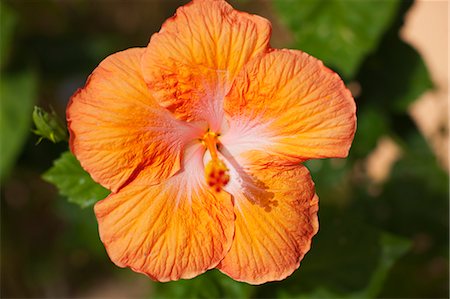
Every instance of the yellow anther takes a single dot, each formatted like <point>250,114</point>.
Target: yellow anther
<point>216,172</point>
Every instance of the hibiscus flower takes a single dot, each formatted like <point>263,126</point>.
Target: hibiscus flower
<point>200,137</point>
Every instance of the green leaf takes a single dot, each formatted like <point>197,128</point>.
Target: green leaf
<point>331,178</point>
<point>339,32</point>
<point>394,76</point>
<point>343,256</point>
<point>392,248</point>
<point>372,124</point>
<point>348,259</point>
<point>414,203</point>
<point>74,182</point>
<point>49,125</point>
<point>417,189</point>
<point>17,94</point>
<point>211,284</point>
<point>8,21</point>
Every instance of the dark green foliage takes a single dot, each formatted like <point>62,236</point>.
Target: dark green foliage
<point>212,284</point>
<point>8,22</point>
<point>414,204</point>
<point>387,240</point>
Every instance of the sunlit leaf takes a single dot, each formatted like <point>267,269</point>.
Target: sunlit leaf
<point>340,32</point>
<point>17,94</point>
<point>74,182</point>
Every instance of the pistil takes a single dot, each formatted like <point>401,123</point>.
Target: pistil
<point>216,172</point>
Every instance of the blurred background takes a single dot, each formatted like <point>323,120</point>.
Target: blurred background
<point>384,211</point>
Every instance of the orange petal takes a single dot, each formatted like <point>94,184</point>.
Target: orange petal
<point>276,218</point>
<point>118,130</point>
<point>190,64</point>
<point>174,230</point>
<point>299,108</point>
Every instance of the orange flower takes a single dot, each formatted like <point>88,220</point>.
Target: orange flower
<point>200,137</point>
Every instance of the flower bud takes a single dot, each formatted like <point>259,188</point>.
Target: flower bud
<point>49,125</point>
